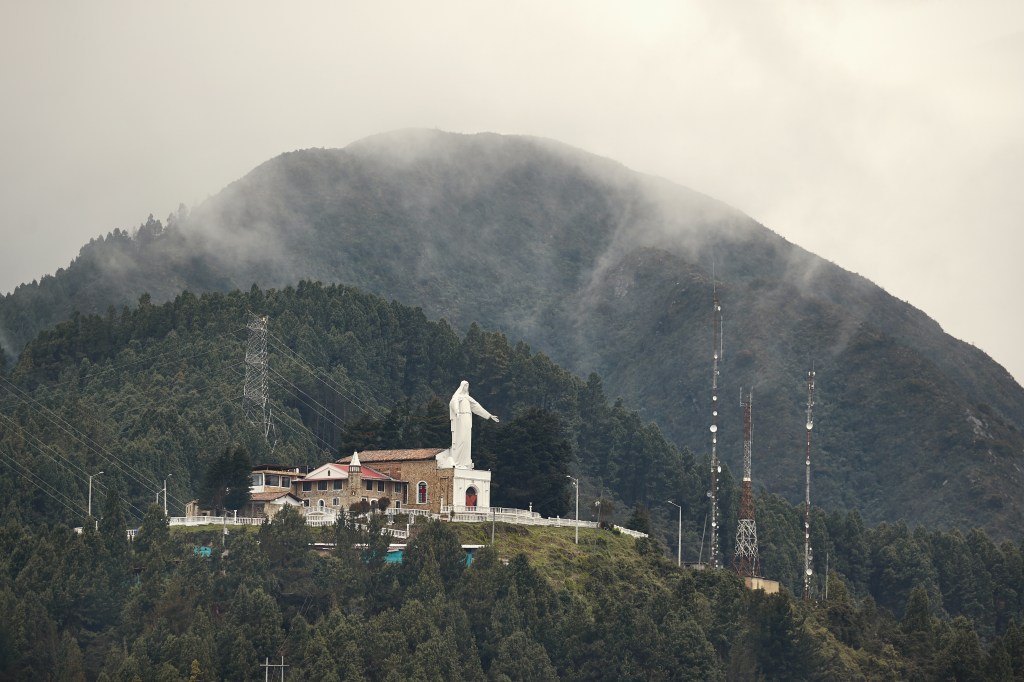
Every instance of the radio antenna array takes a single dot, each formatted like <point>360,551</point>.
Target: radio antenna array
<point>716,466</point>
<point>808,570</point>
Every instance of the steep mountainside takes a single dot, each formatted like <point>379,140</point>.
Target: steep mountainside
<point>606,270</point>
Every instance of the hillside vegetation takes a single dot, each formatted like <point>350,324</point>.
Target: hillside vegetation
<point>156,391</point>
<point>534,607</point>
<point>607,271</point>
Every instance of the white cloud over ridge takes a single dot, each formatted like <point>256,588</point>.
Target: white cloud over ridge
<point>883,136</point>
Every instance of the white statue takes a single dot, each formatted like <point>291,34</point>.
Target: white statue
<point>461,409</point>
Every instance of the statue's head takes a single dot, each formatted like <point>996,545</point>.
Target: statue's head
<point>464,387</point>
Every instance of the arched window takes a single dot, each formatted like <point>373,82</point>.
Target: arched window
<point>321,504</point>
<point>471,497</point>
<point>421,492</point>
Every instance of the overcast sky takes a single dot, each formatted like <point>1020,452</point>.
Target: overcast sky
<point>887,137</point>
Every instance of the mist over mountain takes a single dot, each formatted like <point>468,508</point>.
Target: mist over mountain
<point>612,271</point>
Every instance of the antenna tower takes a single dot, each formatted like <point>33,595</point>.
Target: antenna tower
<point>746,560</point>
<point>716,466</point>
<point>808,571</point>
<point>255,391</point>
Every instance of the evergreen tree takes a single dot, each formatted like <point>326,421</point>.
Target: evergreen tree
<point>226,483</point>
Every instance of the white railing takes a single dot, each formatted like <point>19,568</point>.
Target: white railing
<point>500,511</point>
<point>460,514</point>
<point>409,511</point>
<point>320,517</point>
<point>215,520</point>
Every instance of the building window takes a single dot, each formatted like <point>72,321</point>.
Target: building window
<point>305,503</point>
<point>286,482</point>
<point>321,504</point>
<point>398,504</point>
<point>380,486</point>
<point>307,486</point>
<point>369,485</point>
<point>337,484</point>
<point>257,479</point>
<point>273,481</point>
<point>336,502</point>
<point>321,485</point>
<point>471,497</point>
<point>421,492</point>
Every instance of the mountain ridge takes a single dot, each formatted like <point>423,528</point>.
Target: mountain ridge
<point>606,270</point>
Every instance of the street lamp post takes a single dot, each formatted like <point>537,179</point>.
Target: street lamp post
<point>165,492</point>
<point>679,541</point>
<point>90,493</point>
<point>576,484</point>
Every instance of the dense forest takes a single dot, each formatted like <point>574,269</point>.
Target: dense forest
<point>151,395</point>
<point>94,606</point>
<point>156,391</point>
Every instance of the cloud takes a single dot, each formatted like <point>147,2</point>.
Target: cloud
<point>883,136</point>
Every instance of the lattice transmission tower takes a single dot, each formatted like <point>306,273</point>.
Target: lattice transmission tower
<point>254,397</point>
<point>808,570</point>
<point>716,466</point>
<point>746,559</point>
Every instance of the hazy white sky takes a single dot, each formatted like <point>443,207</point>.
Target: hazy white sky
<point>885,136</point>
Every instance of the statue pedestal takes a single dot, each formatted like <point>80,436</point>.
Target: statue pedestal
<point>471,483</point>
<point>464,488</point>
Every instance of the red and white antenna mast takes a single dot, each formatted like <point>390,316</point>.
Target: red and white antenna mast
<point>746,559</point>
<point>716,467</point>
<point>808,570</point>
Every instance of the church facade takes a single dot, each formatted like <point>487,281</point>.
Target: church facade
<point>431,482</point>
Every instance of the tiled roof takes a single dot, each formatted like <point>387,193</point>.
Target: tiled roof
<point>268,497</point>
<point>394,455</point>
<point>375,475</point>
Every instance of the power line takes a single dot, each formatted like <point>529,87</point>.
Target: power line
<point>50,451</point>
<point>27,472</point>
<point>98,373</point>
<point>303,431</point>
<point>62,424</point>
<point>319,374</point>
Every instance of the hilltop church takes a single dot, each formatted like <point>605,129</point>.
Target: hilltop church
<point>428,479</point>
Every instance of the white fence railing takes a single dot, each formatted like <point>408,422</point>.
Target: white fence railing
<point>215,520</point>
<point>320,517</point>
